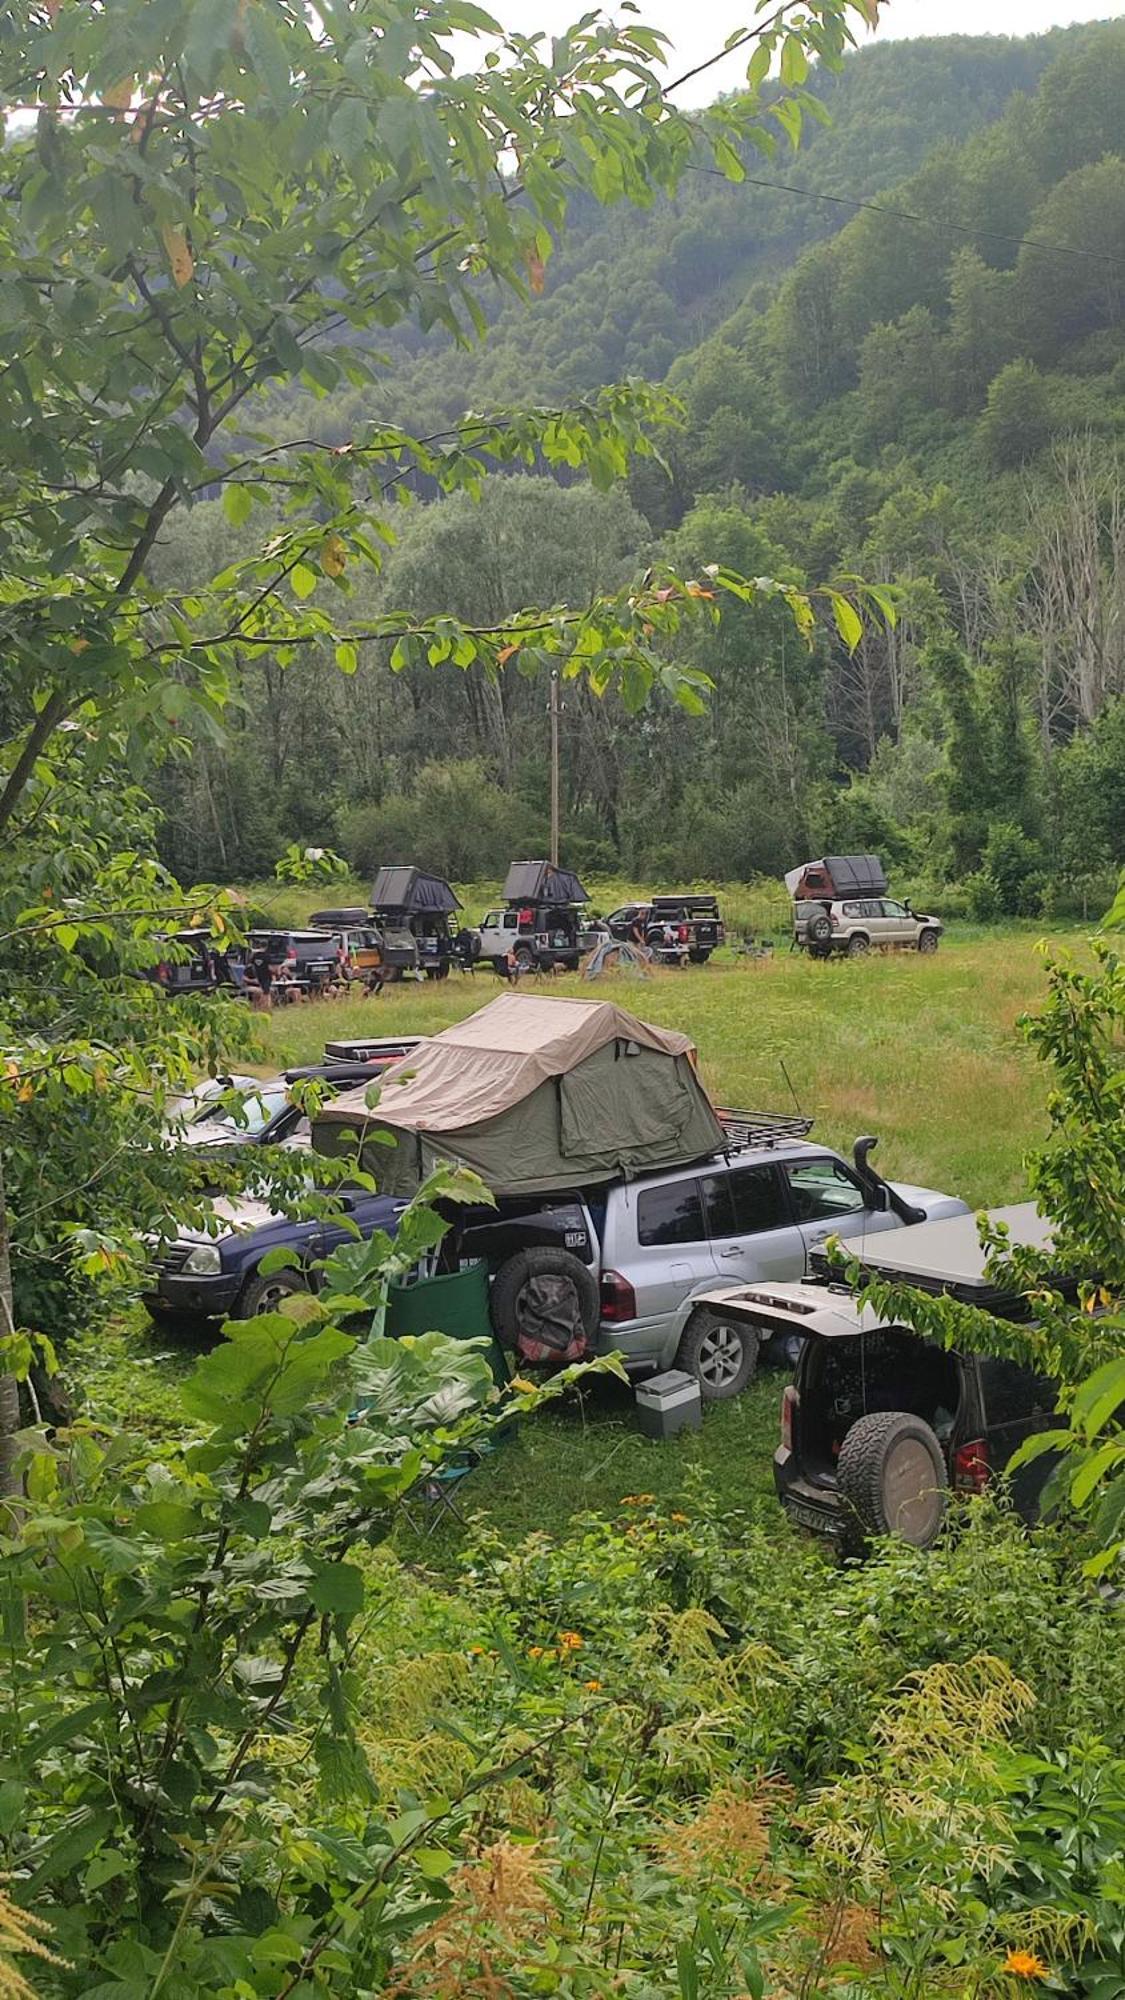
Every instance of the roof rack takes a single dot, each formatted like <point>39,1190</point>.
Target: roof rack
<point>762,1128</point>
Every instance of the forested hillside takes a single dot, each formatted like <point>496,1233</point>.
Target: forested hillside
<point>932,397</point>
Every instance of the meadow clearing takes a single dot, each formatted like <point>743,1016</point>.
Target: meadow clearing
<point>924,1052</point>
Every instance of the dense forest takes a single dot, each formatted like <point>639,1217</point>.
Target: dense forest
<point>928,390</point>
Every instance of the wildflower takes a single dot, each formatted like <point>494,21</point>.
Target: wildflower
<point>1025,1965</point>
<point>637,1499</point>
<point>678,1517</point>
<point>570,1641</point>
<point>535,1652</point>
<point>476,1649</point>
<point>592,1687</point>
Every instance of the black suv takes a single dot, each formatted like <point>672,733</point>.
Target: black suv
<point>879,1426</point>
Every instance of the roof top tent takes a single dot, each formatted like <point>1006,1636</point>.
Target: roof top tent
<point>349,919</point>
<point>410,892</point>
<point>534,1095</point>
<point>837,875</point>
<point>538,882</point>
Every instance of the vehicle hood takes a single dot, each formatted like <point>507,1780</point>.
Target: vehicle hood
<point>238,1216</point>
<point>934,1203</point>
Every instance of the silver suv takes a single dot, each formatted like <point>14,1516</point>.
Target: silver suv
<point>855,926</point>
<point>752,1214</point>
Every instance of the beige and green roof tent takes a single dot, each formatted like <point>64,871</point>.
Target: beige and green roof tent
<point>534,1095</point>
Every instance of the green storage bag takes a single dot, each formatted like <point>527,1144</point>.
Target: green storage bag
<point>454,1303</point>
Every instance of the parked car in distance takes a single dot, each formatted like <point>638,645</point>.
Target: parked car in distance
<point>639,1254</point>
<point>413,912</point>
<point>200,1277</point>
<point>695,919</point>
<point>880,1426</point>
<point>861,925</point>
<point>310,954</point>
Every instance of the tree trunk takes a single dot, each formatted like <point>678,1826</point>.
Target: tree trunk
<point>9,1387</point>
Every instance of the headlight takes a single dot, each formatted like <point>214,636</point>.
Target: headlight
<point>204,1261</point>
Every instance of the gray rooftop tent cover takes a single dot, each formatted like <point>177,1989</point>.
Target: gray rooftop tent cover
<point>534,1095</point>
<point>411,890</point>
<point>542,882</point>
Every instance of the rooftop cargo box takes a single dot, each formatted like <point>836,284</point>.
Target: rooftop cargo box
<point>413,892</point>
<point>836,876</point>
<point>541,882</point>
<point>534,1095</point>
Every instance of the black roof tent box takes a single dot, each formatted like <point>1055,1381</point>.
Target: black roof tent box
<point>687,900</point>
<point>857,874</point>
<point>542,882</point>
<point>412,891</point>
<point>331,920</point>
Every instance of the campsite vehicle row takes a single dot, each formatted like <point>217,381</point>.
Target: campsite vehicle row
<point>621,1195</point>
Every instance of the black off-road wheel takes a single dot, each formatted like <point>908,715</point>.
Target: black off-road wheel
<point>699,957</point>
<point>819,929</point>
<point>928,941</point>
<point>722,1357</point>
<point>858,946</point>
<point>892,1478</point>
<point>265,1294</point>
<point>548,1295</point>
<point>525,958</point>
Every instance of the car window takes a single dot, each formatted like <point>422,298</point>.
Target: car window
<point>488,923</point>
<point>256,1112</point>
<point>869,909</point>
<point>852,909</point>
<point>823,1189</point>
<point>745,1200</point>
<point>894,909</point>
<point>672,1214</point>
<point>1012,1394</point>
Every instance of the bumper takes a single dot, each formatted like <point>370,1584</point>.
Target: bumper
<point>815,1508</point>
<point>185,1292</point>
<point>642,1344</point>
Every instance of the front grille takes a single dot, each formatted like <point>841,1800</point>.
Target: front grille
<point>173,1257</point>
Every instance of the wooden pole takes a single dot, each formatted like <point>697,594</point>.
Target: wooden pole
<point>554,712</point>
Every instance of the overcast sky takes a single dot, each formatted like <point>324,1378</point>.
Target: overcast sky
<point>699,27</point>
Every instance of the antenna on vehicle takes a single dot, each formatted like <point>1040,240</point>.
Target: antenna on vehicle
<point>789,1081</point>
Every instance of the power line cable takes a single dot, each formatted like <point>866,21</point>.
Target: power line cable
<point>924,221</point>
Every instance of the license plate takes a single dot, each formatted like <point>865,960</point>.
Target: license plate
<point>817,1518</point>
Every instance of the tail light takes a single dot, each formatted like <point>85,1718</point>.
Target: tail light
<point>619,1300</point>
<point>971,1470</point>
<point>833,919</point>
<point>789,1405</point>
<point>682,933</point>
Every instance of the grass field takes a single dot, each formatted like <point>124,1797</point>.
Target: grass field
<point>924,1052</point>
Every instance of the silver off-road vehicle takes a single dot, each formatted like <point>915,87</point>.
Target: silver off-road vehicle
<point>862,924</point>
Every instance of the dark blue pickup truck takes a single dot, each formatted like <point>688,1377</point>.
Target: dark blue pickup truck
<point>201,1277</point>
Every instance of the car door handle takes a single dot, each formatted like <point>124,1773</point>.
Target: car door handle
<point>818,1235</point>
<point>735,1250</point>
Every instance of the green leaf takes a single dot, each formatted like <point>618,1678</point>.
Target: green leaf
<point>167,1520</point>
<point>338,1588</point>
<point>347,658</point>
<point>349,131</point>
<point>1093,1471</point>
<point>105,1867</point>
<point>238,504</point>
<point>12,1798</point>
<point>794,61</point>
<point>1100,1396</point>
<point>284,1258</point>
<point>266,51</point>
<point>303,580</point>
<point>848,622</point>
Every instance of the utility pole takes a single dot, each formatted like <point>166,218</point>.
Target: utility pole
<point>554,714</point>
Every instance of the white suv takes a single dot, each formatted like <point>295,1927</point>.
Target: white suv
<point>855,926</point>
<point>758,1213</point>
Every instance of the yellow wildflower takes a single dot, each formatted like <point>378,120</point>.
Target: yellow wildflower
<point>1025,1965</point>
<point>570,1641</point>
<point>592,1687</point>
<point>535,1652</point>
<point>677,1517</point>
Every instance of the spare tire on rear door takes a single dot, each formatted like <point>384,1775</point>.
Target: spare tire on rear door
<point>892,1475</point>
<point>545,1304</point>
<point>819,929</point>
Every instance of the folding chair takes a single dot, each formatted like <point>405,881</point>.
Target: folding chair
<point>434,1499</point>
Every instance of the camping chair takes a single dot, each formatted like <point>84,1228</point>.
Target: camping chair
<point>434,1499</point>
